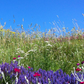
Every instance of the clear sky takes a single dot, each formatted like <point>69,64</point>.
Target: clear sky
<point>46,14</point>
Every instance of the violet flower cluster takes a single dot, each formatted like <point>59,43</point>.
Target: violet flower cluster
<point>14,74</point>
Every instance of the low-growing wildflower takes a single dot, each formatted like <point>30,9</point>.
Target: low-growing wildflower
<point>16,70</point>
<point>81,70</point>
<point>29,67</point>
<point>36,74</point>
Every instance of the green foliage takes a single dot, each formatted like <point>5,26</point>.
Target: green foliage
<point>63,54</point>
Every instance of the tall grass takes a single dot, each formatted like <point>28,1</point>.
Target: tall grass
<point>46,52</point>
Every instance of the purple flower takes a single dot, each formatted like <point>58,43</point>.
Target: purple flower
<point>78,64</point>
<point>82,62</point>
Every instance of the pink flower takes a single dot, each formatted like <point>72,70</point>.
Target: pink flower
<point>78,64</point>
<point>18,55</point>
<point>29,67</point>
<point>81,82</point>
<point>82,62</point>
<point>14,58</point>
<point>36,74</point>
<point>16,70</point>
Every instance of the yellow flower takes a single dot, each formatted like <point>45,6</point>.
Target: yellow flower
<point>1,27</point>
<point>3,30</point>
<point>23,33</point>
<point>13,32</point>
<point>18,34</point>
<point>43,34</point>
<point>8,29</point>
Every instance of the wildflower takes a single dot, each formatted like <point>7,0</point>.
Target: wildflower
<point>3,76</point>
<point>16,70</point>
<point>18,55</point>
<point>29,67</point>
<point>82,62</point>
<point>13,32</point>
<point>1,27</point>
<point>49,45</point>
<point>78,64</point>
<point>27,80</point>
<point>19,59</point>
<point>36,74</point>
<point>79,69</point>
<point>47,41</point>
<point>31,50</point>
<point>81,82</point>
<point>14,58</point>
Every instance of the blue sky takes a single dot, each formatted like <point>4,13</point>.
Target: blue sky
<point>46,13</point>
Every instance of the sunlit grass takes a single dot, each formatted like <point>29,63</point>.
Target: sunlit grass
<point>47,53</point>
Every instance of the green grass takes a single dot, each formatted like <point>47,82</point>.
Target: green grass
<point>63,53</point>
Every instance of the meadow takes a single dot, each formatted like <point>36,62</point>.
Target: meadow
<point>47,53</point>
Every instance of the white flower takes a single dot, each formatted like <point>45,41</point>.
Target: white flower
<point>20,57</point>
<point>18,49</point>
<point>26,54</point>
<point>49,45</point>
<point>22,51</point>
<point>3,76</point>
<point>31,50</point>
<point>19,60</point>
<point>47,41</point>
<point>27,80</point>
<point>16,77</point>
<point>49,80</point>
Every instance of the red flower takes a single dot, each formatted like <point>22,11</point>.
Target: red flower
<point>36,74</point>
<point>29,67</point>
<point>81,82</point>
<point>16,70</point>
<point>14,58</point>
<point>78,69</point>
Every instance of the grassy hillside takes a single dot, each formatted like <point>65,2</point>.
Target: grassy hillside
<point>47,53</point>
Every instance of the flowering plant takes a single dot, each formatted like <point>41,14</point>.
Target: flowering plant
<point>81,70</point>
